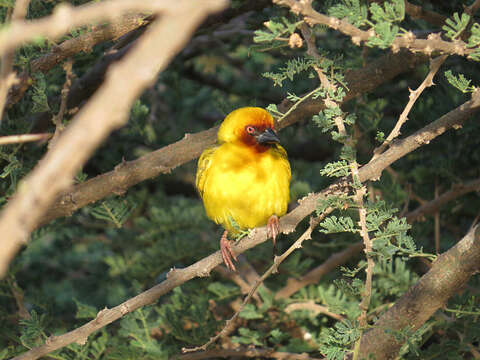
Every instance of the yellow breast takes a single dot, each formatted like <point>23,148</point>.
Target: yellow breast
<point>236,182</point>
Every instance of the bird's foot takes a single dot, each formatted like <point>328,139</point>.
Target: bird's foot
<point>273,229</point>
<point>227,252</point>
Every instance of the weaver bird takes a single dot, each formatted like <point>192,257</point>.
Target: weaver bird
<point>245,177</point>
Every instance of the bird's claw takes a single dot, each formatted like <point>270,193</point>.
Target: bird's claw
<point>227,252</point>
<point>273,229</point>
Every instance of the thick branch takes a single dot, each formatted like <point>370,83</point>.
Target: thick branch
<point>164,160</point>
<point>66,17</point>
<point>16,139</point>
<point>7,77</point>
<point>125,81</point>
<point>130,173</point>
<point>448,275</point>
<point>70,47</point>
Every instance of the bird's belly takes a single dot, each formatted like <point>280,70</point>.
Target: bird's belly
<point>249,196</point>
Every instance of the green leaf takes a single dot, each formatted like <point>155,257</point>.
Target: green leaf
<point>336,169</point>
<point>273,109</point>
<point>250,312</point>
<point>334,201</point>
<point>392,11</point>
<point>355,11</point>
<point>460,82</point>
<point>380,137</point>
<point>332,225</point>
<point>454,27</point>
<point>32,330</point>
<point>39,96</point>
<point>85,311</point>
<point>114,210</point>
<point>336,341</point>
<point>277,29</point>
<point>223,291</point>
<point>3,354</point>
<point>277,336</point>
<point>247,337</point>
<point>7,3</point>
<point>385,35</point>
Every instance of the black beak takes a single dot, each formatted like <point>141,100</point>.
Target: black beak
<point>267,137</point>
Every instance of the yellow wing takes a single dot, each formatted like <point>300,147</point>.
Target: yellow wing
<point>204,163</point>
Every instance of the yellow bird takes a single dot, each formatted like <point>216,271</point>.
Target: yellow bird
<point>245,176</point>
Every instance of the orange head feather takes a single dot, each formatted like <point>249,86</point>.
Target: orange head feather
<point>251,126</point>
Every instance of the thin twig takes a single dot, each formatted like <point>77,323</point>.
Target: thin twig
<point>58,118</point>
<point>367,293</point>
<point>431,207</point>
<point>19,296</point>
<point>274,268</point>
<point>237,279</point>
<point>436,217</point>
<point>315,308</point>
<point>360,192</point>
<point>16,139</point>
<point>414,95</point>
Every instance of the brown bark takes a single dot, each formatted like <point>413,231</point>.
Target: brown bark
<point>449,273</point>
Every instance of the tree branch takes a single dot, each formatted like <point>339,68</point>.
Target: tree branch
<point>408,41</point>
<point>164,160</point>
<point>70,47</point>
<point>397,149</point>
<point>448,275</point>
<point>314,275</point>
<point>125,81</point>
<point>414,95</point>
<point>433,206</point>
<point>7,77</point>
<point>245,352</point>
<point>272,269</point>
<point>66,16</point>
<point>23,138</point>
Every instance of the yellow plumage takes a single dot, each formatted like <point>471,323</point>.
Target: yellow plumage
<point>246,176</point>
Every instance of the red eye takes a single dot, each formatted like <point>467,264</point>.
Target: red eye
<point>250,129</point>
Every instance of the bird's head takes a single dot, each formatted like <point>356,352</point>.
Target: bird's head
<point>251,126</point>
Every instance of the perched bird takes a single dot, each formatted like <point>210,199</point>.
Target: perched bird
<point>245,177</point>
